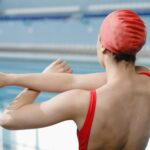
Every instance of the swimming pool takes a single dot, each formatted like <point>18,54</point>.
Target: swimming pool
<point>40,139</point>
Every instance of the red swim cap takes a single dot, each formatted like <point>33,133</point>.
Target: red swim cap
<point>123,32</point>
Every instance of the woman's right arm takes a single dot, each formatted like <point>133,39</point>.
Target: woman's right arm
<point>58,82</point>
<point>55,82</point>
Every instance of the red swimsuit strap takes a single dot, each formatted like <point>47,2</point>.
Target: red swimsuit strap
<point>145,73</point>
<point>84,132</point>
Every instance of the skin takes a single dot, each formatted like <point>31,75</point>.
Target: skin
<point>122,114</point>
<point>27,96</point>
<point>58,83</point>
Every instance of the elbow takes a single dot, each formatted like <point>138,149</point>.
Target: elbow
<point>6,122</point>
<point>8,127</point>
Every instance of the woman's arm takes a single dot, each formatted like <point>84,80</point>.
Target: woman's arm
<point>56,82</point>
<point>37,115</point>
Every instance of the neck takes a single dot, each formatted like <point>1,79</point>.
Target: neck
<point>118,70</point>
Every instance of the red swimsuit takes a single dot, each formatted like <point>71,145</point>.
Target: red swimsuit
<point>84,133</point>
<point>145,73</point>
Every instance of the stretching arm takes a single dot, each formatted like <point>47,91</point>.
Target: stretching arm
<point>37,115</point>
<point>56,82</point>
<point>59,82</point>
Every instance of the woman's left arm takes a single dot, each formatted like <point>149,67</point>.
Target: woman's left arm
<point>36,115</point>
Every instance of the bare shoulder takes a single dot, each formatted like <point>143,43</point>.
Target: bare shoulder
<point>81,103</point>
<point>77,92</point>
<point>74,97</point>
<point>80,95</point>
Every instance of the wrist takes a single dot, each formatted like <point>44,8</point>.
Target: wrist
<point>10,79</point>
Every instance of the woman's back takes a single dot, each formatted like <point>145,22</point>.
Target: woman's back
<point>121,120</point>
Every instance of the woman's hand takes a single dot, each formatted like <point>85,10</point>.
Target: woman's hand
<point>58,66</point>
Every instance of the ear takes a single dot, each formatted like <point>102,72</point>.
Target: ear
<point>104,50</point>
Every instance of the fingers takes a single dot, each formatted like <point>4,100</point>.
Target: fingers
<point>65,70</point>
<point>64,67</point>
<point>58,66</point>
<point>57,61</point>
<point>69,71</point>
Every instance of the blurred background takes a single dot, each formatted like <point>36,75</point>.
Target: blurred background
<point>36,32</point>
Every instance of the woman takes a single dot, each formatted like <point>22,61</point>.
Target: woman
<point>115,116</point>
